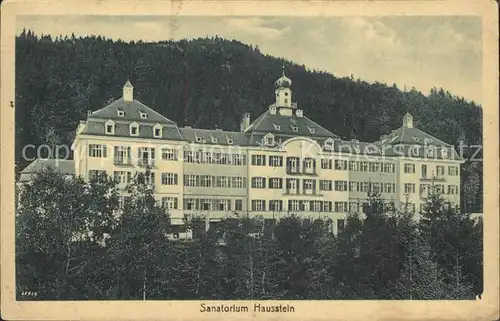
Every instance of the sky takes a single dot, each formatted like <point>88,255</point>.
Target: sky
<point>412,51</point>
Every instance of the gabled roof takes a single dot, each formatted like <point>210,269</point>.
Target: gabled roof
<point>206,135</point>
<point>412,136</point>
<point>65,167</point>
<point>132,112</point>
<point>266,123</point>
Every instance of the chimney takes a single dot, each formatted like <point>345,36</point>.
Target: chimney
<point>245,122</point>
<point>128,91</point>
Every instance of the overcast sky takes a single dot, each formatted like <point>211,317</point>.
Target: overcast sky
<point>423,52</point>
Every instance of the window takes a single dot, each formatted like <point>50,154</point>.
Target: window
<point>340,225</point>
<point>293,205</point>
<point>388,168</point>
<point>157,131</point>
<point>134,130</point>
<point>325,185</point>
<point>259,160</point>
<point>326,164</point>
<point>98,175</point>
<point>143,115</point>
<point>169,154</point>
<point>169,178</point>
<point>122,155</point>
<point>206,180</point>
<point>340,164</point>
<point>292,164</point>
<point>221,181</point>
<point>424,190</point>
<point>237,182</point>
<point>150,179</point>
<point>311,130</point>
<point>341,207</point>
<point>97,150</point>
<point>198,139</point>
<point>328,144</point>
<point>258,182</point>
<point>238,205</point>
<point>327,206</point>
<point>309,184</point>
<point>409,168</point>
<point>415,138</point>
<point>353,186</point>
<point>275,183</point>
<point>453,170</point>
<point>292,185</point>
<point>295,128</point>
<point>388,188</point>
<point>120,113</point>
<point>439,170</point>
<point>363,187</point>
<point>452,189</point>
<point>258,205</point>
<point>239,160</point>
<point>374,167</point>
<point>276,127</point>
<point>146,156</point>
<point>354,207</point>
<point>341,186</point>
<point>206,204</point>
<point>275,205</point>
<point>430,151</point>
<point>409,188</point>
<point>424,171</point>
<point>122,177</point>
<point>269,140</point>
<point>109,129</point>
<point>439,188</point>
<point>169,202</point>
<point>444,152</point>
<point>190,180</point>
<point>276,161</point>
<point>309,163</point>
<point>230,141</point>
<point>214,140</point>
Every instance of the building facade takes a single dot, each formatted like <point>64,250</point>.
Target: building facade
<point>280,163</point>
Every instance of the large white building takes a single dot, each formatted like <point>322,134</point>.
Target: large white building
<point>278,164</point>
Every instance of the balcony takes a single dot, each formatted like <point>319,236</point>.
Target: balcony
<point>433,178</point>
<point>122,161</point>
<point>294,170</point>
<point>144,162</point>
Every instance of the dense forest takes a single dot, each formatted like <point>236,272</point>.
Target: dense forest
<point>73,242</point>
<point>210,82</point>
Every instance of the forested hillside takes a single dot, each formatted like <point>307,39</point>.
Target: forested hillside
<point>210,82</point>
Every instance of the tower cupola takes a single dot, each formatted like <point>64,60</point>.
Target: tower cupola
<point>283,91</point>
<point>408,120</point>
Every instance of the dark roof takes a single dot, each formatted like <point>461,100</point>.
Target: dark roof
<point>266,122</point>
<point>412,136</point>
<point>190,134</point>
<point>122,129</point>
<point>65,167</point>
<point>132,111</point>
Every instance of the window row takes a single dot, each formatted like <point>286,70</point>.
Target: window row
<point>375,187</point>
<point>207,204</point>
<point>201,157</point>
<point>375,167</point>
<point>425,189</point>
<point>134,127</point>
<point>214,181</point>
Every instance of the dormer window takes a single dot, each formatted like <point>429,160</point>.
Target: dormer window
<point>415,151</point>
<point>311,130</point>
<point>329,144</point>
<point>276,127</point>
<point>134,129</point>
<point>110,127</point>
<point>269,140</point>
<point>198,138</point>
<point>120,113</point>
<point>444,153</point>
<point>158,131</point>
<point>143,115</point>
<point>229,141</point>
<point>214,140</point>
<point>295,128</point>
<point>430,152</point>
<point>415,138</point>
